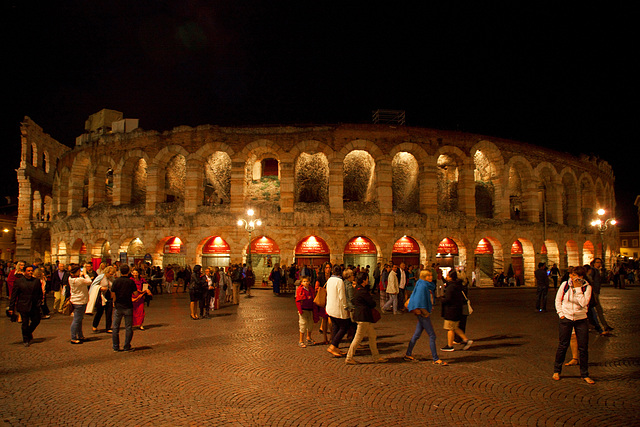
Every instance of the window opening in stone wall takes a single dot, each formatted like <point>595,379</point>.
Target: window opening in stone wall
<point>48,203</point>
<point>588,202</point>
<point>262,179</point>
<point>312,178</point>
<point>175,178</point>
<point>515,194</point>
<point>404,183</point>
<point>217,185</point>
<point>139,183</point>
<point>484,191</point>
<point>45,162</point>
<point>108,186</point>
<point>447,184</point>
<point>359,177</point>
<point>37,206</point>
<point>569,200</point>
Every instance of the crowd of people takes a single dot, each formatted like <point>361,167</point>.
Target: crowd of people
<point>342,300</point>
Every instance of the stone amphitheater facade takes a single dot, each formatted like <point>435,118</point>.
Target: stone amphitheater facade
<point>131,193</point>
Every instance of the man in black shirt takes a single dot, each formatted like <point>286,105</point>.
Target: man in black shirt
<point>542,284</point>
<point>122,290</point>
<point>26,298</point>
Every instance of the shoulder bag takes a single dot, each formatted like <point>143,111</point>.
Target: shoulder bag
<point>321,297</point>
<point>466,308</point>
<point>67,307</point>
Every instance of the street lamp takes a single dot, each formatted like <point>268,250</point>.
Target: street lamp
<point>250,224</point>
<point>602,225</point>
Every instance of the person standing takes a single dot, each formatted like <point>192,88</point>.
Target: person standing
<point>123,291</point>
<point>572,302</point>
<point>337,310</point>
<point>79,283</point>
<point>59,280</point>
<point>138,301</point>
<point>555,275</point>
<point>363,304</point>
<point>194,290</point>
<point>26,297</point>
<point>595,275</point>
<point>104,305</point>
<point>250,280</point>
<point>276,279</point>
<point>392,291</point>
<point>542,287</point>
<point>402,284</point>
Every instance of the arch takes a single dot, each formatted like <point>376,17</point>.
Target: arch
<point>572,253</point>
<point>79,182</point>
<point>588,252</point>
<point>528,255</point>
<point>405,171</point>
<point>550,203</point>
<point>359,178</point>
<point>570,199</point>
<point>519,176</point>
<point>311,172</point>
<point>450,162</point>
<point>553,253</point>
<point>489,164</point>
<point>360,145</point>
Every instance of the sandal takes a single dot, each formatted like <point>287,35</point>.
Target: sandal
<point>311,342</point>
<point>556,376</point>
<point>440,362</point>
<point>409,358</point>
<point>302,345</point>
<point>572,362</point>
<point>588,380</point>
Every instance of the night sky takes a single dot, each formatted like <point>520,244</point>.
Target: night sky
<point>559,76</point>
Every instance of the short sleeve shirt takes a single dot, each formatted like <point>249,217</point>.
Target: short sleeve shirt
<point>124,288</point>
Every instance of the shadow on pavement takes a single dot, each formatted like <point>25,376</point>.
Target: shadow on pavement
<point>471,359</point>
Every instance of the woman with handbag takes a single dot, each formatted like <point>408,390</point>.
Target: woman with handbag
<point>363,306</point>
<point>420,304</point>
<point>79,283</point>
<point>452,303</point>
<point>321,299</point>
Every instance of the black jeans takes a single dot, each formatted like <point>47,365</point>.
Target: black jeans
<point>541,298</point>
<point>582,334</point>
<point>339,328</point>
<point>108,313</point>
<point>30,321</point>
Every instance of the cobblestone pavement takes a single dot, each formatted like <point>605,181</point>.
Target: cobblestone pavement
<point>244,367</point>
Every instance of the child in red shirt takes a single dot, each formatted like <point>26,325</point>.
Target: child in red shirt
<point>307,314</point>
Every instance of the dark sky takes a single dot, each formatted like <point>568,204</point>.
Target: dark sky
<point>561,77</point>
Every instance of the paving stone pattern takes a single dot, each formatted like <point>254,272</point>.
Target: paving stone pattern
<point>244,367</point>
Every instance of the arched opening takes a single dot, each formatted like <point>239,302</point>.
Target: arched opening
<point>312,178</point>
<point>216,252</point>
<point>404,183</point>
<point>108,186</point>
<point>361,251</point>
<point>359,177</point>
<point>265,253</point>
<point>484,188</point>
<point>516,194</point>
<point>217,183</point>
<point>312,251</point>
<point>139,183</point>
<point>484,264</point>
<point>406,250</point>
<point>173,252</point>
<point>175,176</point>
<point>263,179</point>
<point>588,252</point>
<point>572,254</point>
<point>447,183</point>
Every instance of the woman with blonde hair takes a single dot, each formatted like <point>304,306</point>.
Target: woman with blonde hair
<point>104,305</point>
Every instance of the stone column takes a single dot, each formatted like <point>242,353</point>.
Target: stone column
<point>238,201</point>
<point>24,231</point>
<point>122,188</point>
<point>500,201</point>
<point>155,189</point>
<point>336,191</point>
<point>467,188</point>
<point>287,187</point>
<point>428,181</point>
<point>193,186</point>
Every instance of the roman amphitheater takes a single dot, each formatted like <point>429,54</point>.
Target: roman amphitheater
<point>352,193</point>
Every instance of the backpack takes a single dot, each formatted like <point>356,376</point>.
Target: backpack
<point>566,289</point>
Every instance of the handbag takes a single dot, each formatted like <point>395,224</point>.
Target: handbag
<point>321,297</point>
<point>67,307</point>
<point>466,308</point>
<point>376,315</point>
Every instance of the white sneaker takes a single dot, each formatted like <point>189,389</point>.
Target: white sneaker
<point>467,344</point>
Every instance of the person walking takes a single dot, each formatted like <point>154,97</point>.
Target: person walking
<point>594,276</point>
<point>123,291</point>
<point>363,304</point>
<point>452,302</point>
<point>572,302</point>
<point>392,291</point>
<point>420,304</point>
<point>79,283</point>
<point>321,282</point>
<point>542,287</point>
<point>337,310</point>
<point>26,296</point>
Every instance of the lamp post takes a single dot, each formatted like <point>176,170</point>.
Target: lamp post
<point>602,225</point>
<point>250,224</point>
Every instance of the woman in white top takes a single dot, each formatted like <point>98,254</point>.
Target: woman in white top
<point>336,308</point>
<point>79,284</point>
<point>572,304</point>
